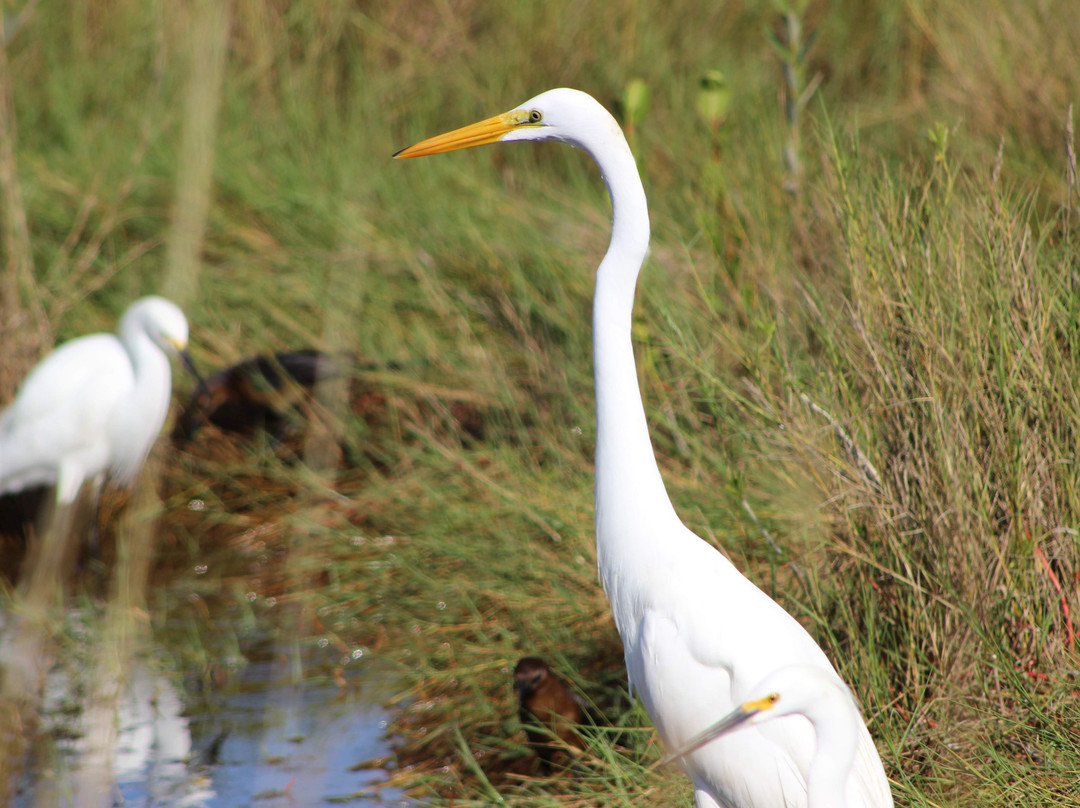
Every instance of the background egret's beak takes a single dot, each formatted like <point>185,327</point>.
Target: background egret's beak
<point>731,721</point>
<point>490,130</point>
<point>189,363</point>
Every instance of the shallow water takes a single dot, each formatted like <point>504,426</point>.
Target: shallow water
<point>178,678</point>
<point>278,742</point>
<point>266,738</point>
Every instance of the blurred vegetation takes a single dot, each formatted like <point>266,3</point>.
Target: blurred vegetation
<point>858,332</point>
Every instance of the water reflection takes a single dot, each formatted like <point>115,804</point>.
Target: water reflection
<point>265,737</point>
<point>295,744</point>
<point>191,586</point>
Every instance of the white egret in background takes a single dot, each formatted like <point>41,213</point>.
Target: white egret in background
<point>820,697</point>
<point>94,406</point>
<point>696,633</point>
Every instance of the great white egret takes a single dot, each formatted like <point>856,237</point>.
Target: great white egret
<point>821,698</point>
<point>94,405</point>
<point>697,635</point>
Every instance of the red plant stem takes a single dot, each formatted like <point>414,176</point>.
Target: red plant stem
<point>1057,585</point>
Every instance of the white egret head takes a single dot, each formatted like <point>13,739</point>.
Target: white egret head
<point>160,319</point>
<point>804,690</point>
<point>570,116</point>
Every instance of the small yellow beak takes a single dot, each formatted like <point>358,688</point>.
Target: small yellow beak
<point>737,717</point>
<point>759,706</point>
<point>490,130</point>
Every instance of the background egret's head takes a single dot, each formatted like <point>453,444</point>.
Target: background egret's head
<point>161,320</point>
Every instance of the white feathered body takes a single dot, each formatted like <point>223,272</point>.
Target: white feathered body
<point>93,406</point>
<point>697,634</point>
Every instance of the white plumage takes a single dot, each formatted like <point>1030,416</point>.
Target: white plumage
<point>94,406</point>
<point>696,633</point>
<point>826,702</point>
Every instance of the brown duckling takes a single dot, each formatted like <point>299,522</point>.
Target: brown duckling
<point>548,707</point>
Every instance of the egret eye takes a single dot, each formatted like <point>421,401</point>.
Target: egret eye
<point>773,698</point>
<point>535,116</point>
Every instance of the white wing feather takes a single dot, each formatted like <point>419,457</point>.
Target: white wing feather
<point>62,411</point>
<point>766,764</point>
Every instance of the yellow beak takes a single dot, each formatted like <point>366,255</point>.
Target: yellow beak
<point>735,718</point>
<point>759,706</point>
<point>490,130</point>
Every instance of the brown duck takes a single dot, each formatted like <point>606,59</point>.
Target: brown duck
<point>548,707</point>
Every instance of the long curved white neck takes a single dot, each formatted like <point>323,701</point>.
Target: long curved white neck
<point>143,412</point>
<point>836,731</point>
<point>151,366</point>
<point>630,494</point>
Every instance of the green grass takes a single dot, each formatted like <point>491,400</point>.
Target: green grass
<point>879,366</point>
